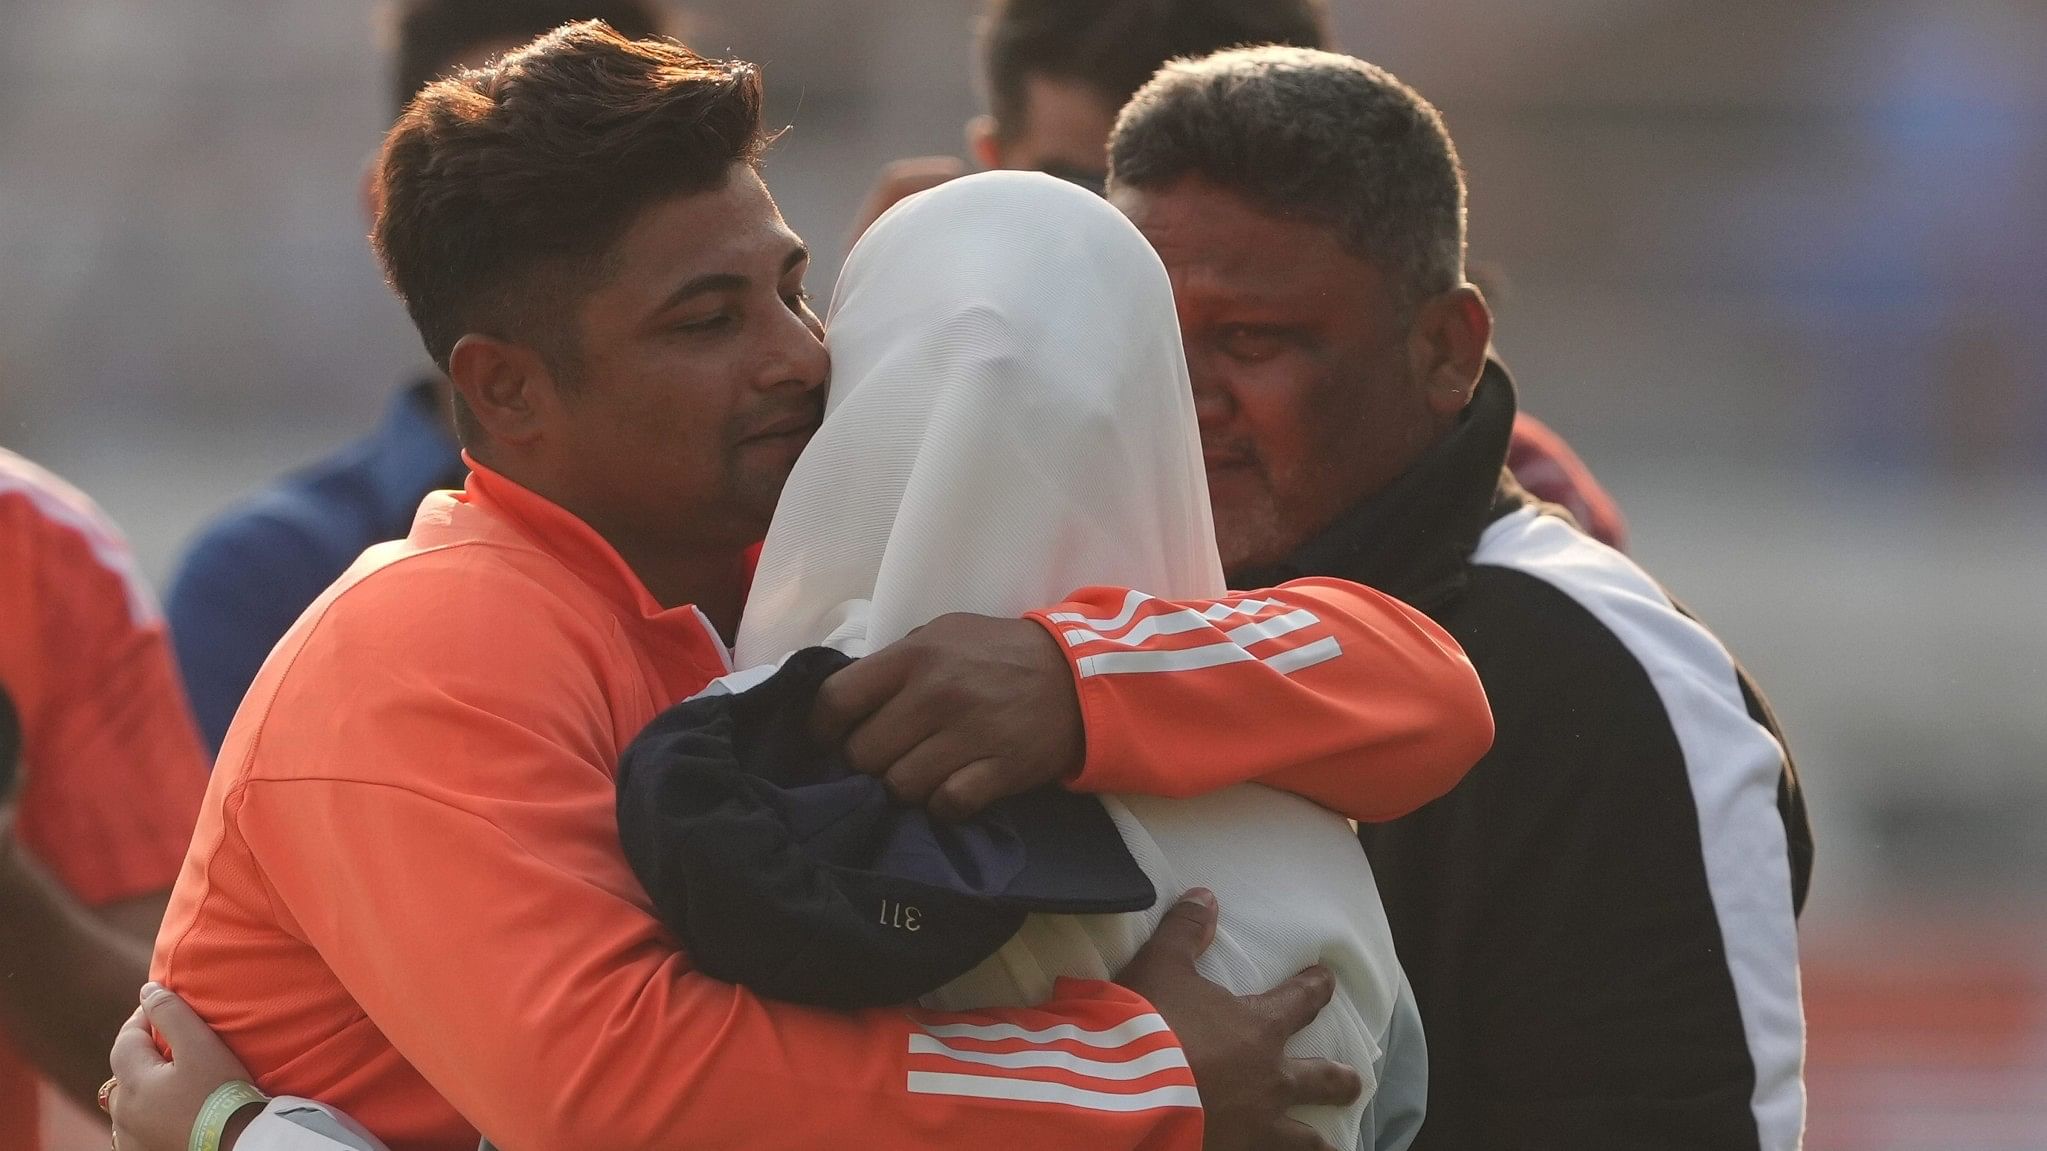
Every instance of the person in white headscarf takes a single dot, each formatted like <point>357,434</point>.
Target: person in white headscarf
<point>1011,418</point>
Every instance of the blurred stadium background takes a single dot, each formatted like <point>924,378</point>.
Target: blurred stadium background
<point>1775,269</point>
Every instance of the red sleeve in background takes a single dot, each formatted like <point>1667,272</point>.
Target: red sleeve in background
<point>1544,464</point>
<point>112,769</point>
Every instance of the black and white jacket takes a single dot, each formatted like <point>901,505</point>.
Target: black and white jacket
<point>1599,922</point>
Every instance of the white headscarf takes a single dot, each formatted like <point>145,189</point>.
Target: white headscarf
<point>1000,430</point>
<point>1010,419</point>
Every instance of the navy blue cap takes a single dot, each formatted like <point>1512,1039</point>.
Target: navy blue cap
<point>779,867</point>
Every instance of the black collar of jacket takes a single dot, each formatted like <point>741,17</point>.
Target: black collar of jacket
<point>1414,539</point>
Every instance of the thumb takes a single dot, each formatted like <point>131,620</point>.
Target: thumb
<point>134,1052</point>
<point>191,1041</point>
<point>1186,931</point>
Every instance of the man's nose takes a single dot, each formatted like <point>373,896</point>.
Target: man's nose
<point>799,356</point>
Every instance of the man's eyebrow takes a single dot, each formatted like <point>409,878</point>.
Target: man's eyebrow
<point>714,282</point>
<point>727,281</point>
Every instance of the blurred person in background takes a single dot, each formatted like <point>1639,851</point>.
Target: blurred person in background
<point>406,893</point>
<point>1055,73</point>
<point>101,775</point>
<point>1599,922</point>
<point>250,573</point>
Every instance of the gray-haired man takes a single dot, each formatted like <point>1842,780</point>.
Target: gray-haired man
<point>1599,922</point>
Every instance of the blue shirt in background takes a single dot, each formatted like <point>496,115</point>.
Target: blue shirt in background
<point>251,572</point>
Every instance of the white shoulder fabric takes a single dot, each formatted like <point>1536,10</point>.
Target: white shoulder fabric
<point>289,1123</point>
<point>1010,419</point>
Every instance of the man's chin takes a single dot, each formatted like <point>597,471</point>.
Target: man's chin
<point>1249,532</point>
<point>757,485</point>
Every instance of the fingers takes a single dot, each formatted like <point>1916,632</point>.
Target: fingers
<point>1321,1083</point>
<point>189,1038</point>
<point>888,742</point>
<point>939,776</point>
<point>1185,932</point>
<point>853,693</point>
<point>914,776</point>
<point>1294,1004</point>
<point>967,791</point>
<point>134,1054</point>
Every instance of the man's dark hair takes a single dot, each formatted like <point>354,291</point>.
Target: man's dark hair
<point>430,36</point>
<point>503,190</point>
<point>1315,135</point>
<point>1114,46</point>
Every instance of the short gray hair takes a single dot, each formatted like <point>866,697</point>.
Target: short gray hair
<point>1308,134</point>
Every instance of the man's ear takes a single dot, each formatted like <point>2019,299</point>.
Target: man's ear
<point>1447,347</point>
<point>508,387</point>
<point>984,142</point>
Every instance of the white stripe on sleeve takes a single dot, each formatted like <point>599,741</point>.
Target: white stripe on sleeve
<point>1308,655</point>
<point>1151,627</point>
<point>1131,602</point>
<point>1273,628</point>
<point>1150,1063</point>
<point>1121,1035</point>
<point>1037,1091</point>
<point>1139,662</point>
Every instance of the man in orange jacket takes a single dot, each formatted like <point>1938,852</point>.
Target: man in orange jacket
<point>406,896</point>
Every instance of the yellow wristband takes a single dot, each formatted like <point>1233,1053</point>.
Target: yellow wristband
<point>220,1107</point>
